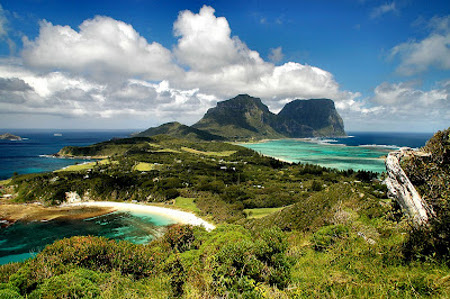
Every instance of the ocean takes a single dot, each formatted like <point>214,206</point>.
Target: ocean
<point>29,155</point>
<point>358,151</point>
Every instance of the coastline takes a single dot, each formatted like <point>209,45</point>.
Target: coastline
<point>176,215</point>
<point>10,212</point>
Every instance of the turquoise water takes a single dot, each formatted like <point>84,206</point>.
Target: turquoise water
<point>359,151</point>
<point>24,240</point>
<point>342,157</point>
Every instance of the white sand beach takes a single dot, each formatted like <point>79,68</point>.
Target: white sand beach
<point>176,215</point>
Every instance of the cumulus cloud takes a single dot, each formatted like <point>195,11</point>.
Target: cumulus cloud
<point>276,55</point>
<point>13,84</point>
<point>406,103</point>
<point>433,51</point>
<point>206,44</point>
<point>4,35</point>
<point>221,64</point>
<point>383,9</point>
<point>106,69</point>
<point>61,94</point>
<point>101,46</point>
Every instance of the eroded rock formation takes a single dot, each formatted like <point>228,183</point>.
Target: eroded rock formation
<point>401,188</point>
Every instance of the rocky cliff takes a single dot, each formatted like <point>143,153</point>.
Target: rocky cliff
<point>306,118</point>
<point>247,117</point>
<point>243,117</point>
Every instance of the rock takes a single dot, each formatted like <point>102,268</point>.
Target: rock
<point>246,117</point>
<point>401,188</point>
<point>8,136</point>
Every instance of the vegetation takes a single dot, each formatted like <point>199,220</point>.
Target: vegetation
<point>283,230</point>
<point>431,176</point>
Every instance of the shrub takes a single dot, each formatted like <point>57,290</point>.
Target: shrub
<point>79,283</point>
<point>327,236</point>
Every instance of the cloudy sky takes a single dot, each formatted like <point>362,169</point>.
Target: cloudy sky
<point>140,63</point>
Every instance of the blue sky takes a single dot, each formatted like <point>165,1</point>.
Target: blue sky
<point>136,64</point>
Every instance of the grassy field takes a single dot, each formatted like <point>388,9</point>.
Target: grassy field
<point>84,166</point>
<point>186,204</point>
<point>217,154</point>
<point>5,182</point>
<point>142,166</point>
<point>259,213</point>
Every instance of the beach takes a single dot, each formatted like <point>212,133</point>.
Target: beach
<point>176,215</point>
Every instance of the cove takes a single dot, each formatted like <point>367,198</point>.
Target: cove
<point>24,240</point>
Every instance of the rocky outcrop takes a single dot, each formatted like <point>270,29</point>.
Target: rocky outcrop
<point>243,117</point>
<point>401,188</point>
<point>310,118</point>
<point>246,117</point>
<point>8,136</point>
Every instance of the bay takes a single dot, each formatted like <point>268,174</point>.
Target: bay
<point>24,240</point>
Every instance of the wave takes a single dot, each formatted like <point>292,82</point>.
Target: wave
<point>381,146</point>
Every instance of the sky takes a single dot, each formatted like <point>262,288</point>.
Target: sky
<point>140,63</point>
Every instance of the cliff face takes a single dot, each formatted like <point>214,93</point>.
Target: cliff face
<point>242,117</point>
<point>246,117</point>
<point>306,118</point>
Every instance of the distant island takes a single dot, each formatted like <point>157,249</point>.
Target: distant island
<point>8,136</point>
<point>247,118</point>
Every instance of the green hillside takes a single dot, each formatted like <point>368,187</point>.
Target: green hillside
<point>242,117</point>
<point>175,129</point>
<point>322,233</point>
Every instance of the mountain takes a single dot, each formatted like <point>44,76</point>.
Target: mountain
<point>243,117</point>
<point>175,129</point>
<point>307,118</point>
<point>246,118</point>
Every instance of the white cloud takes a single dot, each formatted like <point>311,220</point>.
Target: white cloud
<point>433,51</point>
<point>406,98</point>
<point>383,9</point>
<point>276,55</point>
<point>106,70</point>
<point>60,94</point>
<point>205,42</point>
<point>221,64</point>
<point>4,34</point>
<point>102,46</point>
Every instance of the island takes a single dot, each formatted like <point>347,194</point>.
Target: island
<point>8,136</point>
<point>278,229</point>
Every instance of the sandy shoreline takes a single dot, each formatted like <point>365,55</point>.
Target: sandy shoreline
<point>176,215</point>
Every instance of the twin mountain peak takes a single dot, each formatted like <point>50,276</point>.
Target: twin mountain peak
<point>247,118</point>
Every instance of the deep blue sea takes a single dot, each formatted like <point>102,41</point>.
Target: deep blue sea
<point>26,156</point>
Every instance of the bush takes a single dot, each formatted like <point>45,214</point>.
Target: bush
<point>179,237</point>
<point>79,283</point>
<point>327,236</point>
